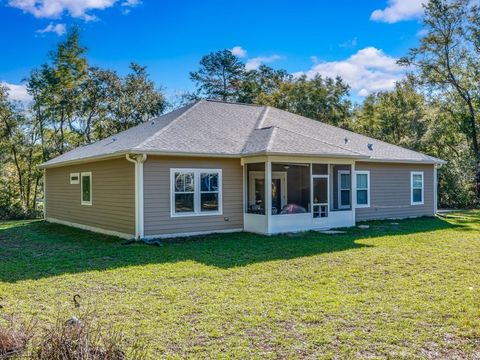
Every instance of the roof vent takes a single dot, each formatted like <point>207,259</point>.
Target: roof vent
<point>346,140</point>
<point>153,122</point>
<point>370,147</point>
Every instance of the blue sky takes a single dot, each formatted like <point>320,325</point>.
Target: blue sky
<point>358,40</point>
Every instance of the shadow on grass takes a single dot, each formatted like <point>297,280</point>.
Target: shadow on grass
<point>34,250</point>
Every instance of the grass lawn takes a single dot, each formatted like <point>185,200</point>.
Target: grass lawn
<point>410,290</point>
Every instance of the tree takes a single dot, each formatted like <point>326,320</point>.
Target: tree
<point>261,82</point>
<point>135,99</point>
<point>219,75</point>
<point>323,99</point>
<point>395,116</point>
<point>73,104</point>
<point>448,61</point>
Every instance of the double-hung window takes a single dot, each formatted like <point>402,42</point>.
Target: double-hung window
<point>86,188</point>
<point>416,181</point>
<point>363,188</point>
<point>196,192</point>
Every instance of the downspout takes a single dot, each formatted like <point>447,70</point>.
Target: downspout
<point>138,160</point>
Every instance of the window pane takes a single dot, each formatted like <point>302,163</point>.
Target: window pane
<point>320,169</point>
<point>183,203</point>
<point>345,197</point>
<point>417,181</point>
<point>209,182</point>
<point>362,197</point>
<point>209,202</point>
<point>320,190</point>
<point>184,182</point>
<point>362,181</point>
<point>85,188</point>
<point>417,195</point>
<point>345,181</point>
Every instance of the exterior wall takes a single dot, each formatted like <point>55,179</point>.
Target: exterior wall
<point>390,193</point>
<point>157,196</point>
<point>113,196</point>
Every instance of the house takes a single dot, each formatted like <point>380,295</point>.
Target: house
<point>222,167</point>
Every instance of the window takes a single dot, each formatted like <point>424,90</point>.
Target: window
<point>417,187</point>
<point>343,189</point>
<point>363,188</point>
<point>196,192</point>
<point>74,178</point>
<point>86,188</point>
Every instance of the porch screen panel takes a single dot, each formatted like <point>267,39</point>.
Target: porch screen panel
<point>290,188</point>
<point>256,189</point>
<point>320,196</point>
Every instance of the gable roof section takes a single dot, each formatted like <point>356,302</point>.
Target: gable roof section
<point>214,128</point>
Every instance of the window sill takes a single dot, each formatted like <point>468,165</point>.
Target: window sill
<point>217,213</point>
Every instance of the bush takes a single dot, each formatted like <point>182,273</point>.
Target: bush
<point>82,339</point>
<point>14,337</point>
<point>15,212</point>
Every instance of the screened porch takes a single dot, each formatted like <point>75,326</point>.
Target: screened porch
<point>283,196</point>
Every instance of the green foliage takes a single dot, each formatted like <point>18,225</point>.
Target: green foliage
<point>407,117</point>
<point>447,62</point>
<point>219,75</point>
<point>73,104</point>
<point>408,290</point>
<point>323,99</point>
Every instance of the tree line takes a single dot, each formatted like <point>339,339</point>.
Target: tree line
<point>433,110</point>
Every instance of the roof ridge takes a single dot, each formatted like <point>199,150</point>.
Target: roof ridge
<point>259,121</point>
<point>272,136</point>
<point>232,102</point>
<point>261,118</point>
<point>162,130</point>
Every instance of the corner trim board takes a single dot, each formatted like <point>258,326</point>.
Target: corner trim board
<point>138,161</point>
<point>90,228</point>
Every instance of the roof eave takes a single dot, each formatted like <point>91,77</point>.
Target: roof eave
<point>408,161</point>
<point>276,153</point>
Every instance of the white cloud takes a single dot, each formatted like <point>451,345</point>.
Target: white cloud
<point>254,63</point>
<point>349,44</point>
<point>368,70</point>
<point>128,4</point>
<point>238,51</point>
<point>58,29</point>
<point>17,92</point>
<point>398,10</point>
<point>54,9</point>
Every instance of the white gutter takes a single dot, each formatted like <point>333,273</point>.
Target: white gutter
<point>138,160</point>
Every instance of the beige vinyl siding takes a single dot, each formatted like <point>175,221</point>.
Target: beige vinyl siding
<point>113,195</point>
<point>390,192</point>
<point>157,196</point>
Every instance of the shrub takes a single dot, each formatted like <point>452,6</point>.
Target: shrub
<point>14,337</point>
<point>83,339</point>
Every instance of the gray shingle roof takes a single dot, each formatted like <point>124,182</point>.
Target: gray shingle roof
<point>229,129</point>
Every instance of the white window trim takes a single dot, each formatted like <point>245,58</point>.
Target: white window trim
<point>197,193</point>
<point>74,182</point>
<point>339,190</point>
<point>412,173</point>
<point>363,172</point>
<point>89,174</point>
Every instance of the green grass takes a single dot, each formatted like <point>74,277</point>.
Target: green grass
<point>410,290</point>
